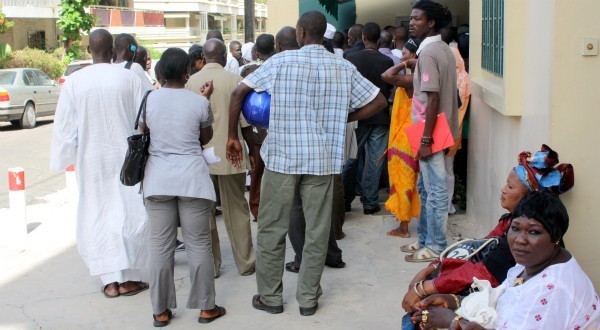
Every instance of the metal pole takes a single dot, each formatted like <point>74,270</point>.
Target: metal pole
<point>249,20</point>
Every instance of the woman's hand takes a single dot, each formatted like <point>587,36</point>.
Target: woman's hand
<point>437,300</point>
<point>207,89</point>
<point>433,317</point>
<point>410,301</point>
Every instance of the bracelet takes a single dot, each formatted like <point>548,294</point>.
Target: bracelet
<point>455,322</point>
<point>422,283</point>
<point>427,140</point>
<point>417,291</point>
<point>457,300</point>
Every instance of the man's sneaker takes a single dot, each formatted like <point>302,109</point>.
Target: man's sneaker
<point>372,211</point>
<point>258,304</point>
<point>179,246</point>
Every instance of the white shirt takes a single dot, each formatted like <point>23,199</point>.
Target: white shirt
<point>176,166</point>
<point>95,114</point>
<point>397,53</point>
<point>139,71</point>
<point>428,41</point>
<point>232,64</point>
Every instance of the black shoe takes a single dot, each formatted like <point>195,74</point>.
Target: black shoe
<point>372,211</point>
<point>179,246</point>
<point>308,311</point>
<point>291,267</point>
<point>341,264</point>
<point>218,212</point>
<point>256,303</point>
<point>347,208</point>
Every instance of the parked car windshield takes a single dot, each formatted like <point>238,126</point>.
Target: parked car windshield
<point>7,77</point>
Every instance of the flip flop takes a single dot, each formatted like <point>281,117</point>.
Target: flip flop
<point>103,290</point>
<point>205,320</point>
<point>423,255</point>
<point>142,286</point>
<point>160,324</point>
<point>410,248</point>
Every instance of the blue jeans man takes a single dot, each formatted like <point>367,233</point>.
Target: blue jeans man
<point>372,141</point>
<point>433,190</point>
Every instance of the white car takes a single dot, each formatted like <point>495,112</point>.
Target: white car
<point>25,94</point>
<point>72,67</point>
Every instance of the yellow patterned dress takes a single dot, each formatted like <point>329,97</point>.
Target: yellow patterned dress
<point>403,169</point>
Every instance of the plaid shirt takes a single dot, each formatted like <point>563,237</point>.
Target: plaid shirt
<point>312,91</point>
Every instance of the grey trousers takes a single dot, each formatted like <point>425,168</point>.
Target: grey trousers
<point>236,215</point>
<point>276,201</point>
<point>164,213</point>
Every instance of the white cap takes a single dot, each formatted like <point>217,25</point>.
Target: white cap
<point>330,31</point>
<point>247,51</point>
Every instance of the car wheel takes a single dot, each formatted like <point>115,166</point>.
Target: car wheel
<point>29,118</point>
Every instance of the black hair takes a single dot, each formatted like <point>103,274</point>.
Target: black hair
<point>216,34</point>
<point>160,77</point>
<point>412,45</point>
<point>174,63</point>
<point>338,40</point>
<point>265,44</point>
<point>372,31</point>
<point>235,42</point>
<point>195,53</point>
<point>314,23</point>
<point>141,57</point>
<point>463,44</point>
<point>547,209</point>
<point>434,11</point>
<point>127,42</point>
<point>328,44</point>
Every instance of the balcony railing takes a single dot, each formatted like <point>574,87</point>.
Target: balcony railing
<point>30,3</point>
<point>119,16</point>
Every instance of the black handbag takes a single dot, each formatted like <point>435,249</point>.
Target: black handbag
<point>132,171</point>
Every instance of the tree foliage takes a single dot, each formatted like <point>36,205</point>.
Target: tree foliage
<point>73,20</point>
<point>4,24</point>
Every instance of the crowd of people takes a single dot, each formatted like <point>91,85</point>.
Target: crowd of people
<point>340,104</point>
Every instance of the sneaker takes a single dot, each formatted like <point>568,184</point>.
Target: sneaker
<point>372,211</point>
<point>179,246</point>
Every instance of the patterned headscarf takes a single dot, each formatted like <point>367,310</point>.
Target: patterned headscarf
<point>541,172</point>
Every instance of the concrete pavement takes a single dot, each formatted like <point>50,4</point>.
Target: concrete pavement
<point>47,285</point>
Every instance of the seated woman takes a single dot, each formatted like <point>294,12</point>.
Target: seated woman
<point>539,172</point>
<point>547,289</point>
<point>178,189</point>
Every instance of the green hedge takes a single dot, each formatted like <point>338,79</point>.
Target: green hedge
<point>35,58</point>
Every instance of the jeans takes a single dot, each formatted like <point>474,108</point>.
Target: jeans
<point>433,189</point>
<point>372,141</point>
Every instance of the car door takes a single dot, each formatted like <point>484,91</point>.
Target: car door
<point>49,93</point>
<point>33,90</point>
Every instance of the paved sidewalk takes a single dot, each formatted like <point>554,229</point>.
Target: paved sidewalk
<point>47,285</point>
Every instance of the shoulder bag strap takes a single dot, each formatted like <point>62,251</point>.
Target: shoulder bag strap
<point>128,65</point>
<point>142,108</point>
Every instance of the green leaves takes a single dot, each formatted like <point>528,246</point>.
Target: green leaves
<point>4,24</point>
<point>73,20</point>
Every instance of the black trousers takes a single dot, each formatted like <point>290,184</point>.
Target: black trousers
<point>297,228</point>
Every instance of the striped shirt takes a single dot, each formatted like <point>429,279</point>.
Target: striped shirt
<point>312,91</point>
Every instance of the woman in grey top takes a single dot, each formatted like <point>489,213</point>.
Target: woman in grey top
<point>178,189</point>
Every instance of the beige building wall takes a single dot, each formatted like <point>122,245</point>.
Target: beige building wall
<point>17,36</point>
<point>549,94</point>
<point>282,13</point>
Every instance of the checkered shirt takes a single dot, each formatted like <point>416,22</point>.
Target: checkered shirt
<point>312,91</point>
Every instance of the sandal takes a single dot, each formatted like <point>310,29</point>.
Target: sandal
<point>423,255</point>
<point>291,267</point>
<point>103,290</point>
<point>160,324</point>
<point>221,311</point>
<point>409,248</point>
<point>141,286</point>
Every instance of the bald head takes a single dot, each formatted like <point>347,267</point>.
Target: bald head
<point>214,34</point>
<point>215,51</point>
<point>355,34</point>
<point>101,46</point>
<point>286,39</point>
<point>385,39</point>
<point>311,28</point>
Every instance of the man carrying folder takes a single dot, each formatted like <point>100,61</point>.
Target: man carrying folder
<point>435,93</point>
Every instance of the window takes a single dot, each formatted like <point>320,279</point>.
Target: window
<point>492,39</point>
<point>7,77</point>
<point>43,78</point>
<point>36,39</point>
<point>29,78</point>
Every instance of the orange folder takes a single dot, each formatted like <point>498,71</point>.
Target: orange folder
<point>442,136</point>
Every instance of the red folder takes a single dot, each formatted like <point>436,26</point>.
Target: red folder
<point>442,136</point>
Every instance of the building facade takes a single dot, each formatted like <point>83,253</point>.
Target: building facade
<point>35,24</point>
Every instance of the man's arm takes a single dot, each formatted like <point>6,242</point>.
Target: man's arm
<point>431,113</point>
<point>234,148</point>
<point>370,109</point>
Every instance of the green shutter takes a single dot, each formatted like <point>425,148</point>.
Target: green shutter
<point>492,37</point>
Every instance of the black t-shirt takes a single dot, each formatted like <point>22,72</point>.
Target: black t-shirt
<point>500,260</point>
<point>371,64</point>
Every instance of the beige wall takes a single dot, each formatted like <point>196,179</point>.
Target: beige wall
<point>575,117</point>
<point>282,13</point>
<point>16,37</point>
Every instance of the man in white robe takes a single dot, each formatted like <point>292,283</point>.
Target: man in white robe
<point>95,114</point>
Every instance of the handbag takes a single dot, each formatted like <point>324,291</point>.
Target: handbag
<point>473,250</point>
<point>132,171</point>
